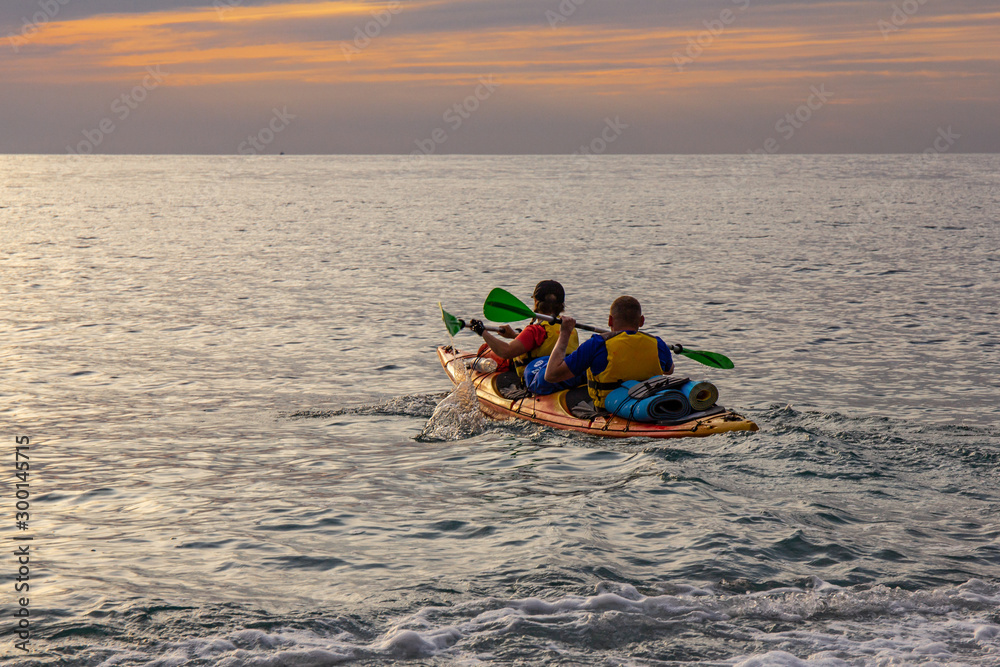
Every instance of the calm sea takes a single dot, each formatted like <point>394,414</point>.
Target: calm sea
<point>225,371</point>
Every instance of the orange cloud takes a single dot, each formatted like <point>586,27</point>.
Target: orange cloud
<point>200,47</point>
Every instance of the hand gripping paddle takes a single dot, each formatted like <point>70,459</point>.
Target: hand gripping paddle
<point>502,306</point>
<point>455,325</point>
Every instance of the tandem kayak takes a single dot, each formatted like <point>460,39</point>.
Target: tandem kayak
<point>500,398</point>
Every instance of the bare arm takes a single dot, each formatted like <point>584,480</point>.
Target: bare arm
<point>556,370</point>
<point>502,348</point>
<point>669,369</point>
<point>508,331</point>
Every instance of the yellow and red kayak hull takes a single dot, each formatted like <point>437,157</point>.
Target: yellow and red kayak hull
<point>552,410</point>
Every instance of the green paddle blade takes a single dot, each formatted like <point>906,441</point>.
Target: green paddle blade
<point>713,359</point>
<point>502,306</point>
<point>453,323</point>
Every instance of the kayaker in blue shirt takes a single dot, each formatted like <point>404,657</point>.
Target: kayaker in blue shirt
<point>611,359</point>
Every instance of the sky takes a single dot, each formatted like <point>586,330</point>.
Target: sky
<point>499,76</point>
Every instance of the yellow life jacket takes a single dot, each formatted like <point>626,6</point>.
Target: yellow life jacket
<point>631,356</point>
<point>545,349</point>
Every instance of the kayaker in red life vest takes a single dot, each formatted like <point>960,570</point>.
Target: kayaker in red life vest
<point>610,359</point>
<point>534,342</point>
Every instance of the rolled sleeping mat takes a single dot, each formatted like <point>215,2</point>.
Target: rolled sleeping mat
<point>614,401</point>
<point>664,406</point>
<point>701,394</point>
<point>670,404</point>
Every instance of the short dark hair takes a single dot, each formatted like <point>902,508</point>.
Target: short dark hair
<point>549,298</point>
<point>549,306</point>
<point>627,312</point>
<point>549,288</point>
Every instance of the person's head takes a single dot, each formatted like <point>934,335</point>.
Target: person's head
<point>549,298</point>
<point>626,314</point>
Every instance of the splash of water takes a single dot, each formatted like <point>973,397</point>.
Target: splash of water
<point>458,415</point>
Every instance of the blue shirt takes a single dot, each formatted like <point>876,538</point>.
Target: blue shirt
<point>593,354</point>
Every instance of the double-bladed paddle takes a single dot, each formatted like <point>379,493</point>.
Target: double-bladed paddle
<point>455,325</point>
<point>502,306</point>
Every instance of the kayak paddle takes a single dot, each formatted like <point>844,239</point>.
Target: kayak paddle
<point>502,306</point>
<point>455,325</point>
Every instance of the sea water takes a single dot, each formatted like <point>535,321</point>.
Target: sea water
<point>243,449</point>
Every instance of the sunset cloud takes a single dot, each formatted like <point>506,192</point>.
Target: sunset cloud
<point>690,59</point>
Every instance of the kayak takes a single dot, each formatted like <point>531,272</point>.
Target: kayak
<point>500,398</point>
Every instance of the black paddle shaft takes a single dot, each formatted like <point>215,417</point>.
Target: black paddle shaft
<point>558,320</point>
<point>679,349</point>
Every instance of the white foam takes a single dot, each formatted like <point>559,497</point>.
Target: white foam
<point>126,656</point>
<point>256,639</point>
<point>830,626</point>
<point>215,647</point>
<point>171,659</point>
<point>311,658</point>
<point>535,606</point>
<point>413,644</point>
<point>782,659</point>
<point>610,602</point>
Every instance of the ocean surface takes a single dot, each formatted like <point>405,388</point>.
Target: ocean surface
<point>225,371</point>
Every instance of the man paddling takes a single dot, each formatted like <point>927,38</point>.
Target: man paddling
<point>611,359</point>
